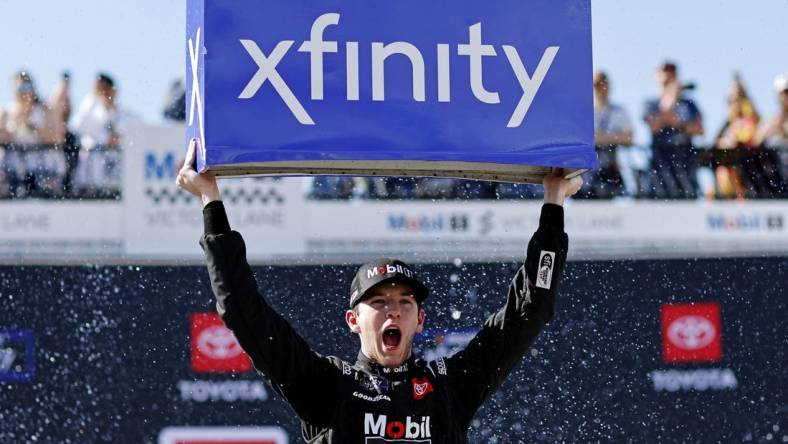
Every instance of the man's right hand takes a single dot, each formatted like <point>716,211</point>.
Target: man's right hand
<point>556,188</point>
<point>201,185</point>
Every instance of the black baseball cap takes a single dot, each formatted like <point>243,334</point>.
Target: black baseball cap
<point>384,270</point>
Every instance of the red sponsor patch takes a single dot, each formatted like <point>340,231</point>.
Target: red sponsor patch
<point>214,347</point>
<point>691,332</point>
<point>421,387</point>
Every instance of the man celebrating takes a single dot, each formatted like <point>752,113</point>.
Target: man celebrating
<point>387,396</point>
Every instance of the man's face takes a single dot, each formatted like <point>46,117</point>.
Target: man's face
<point>600,85</point>
<point>665,77</point>
<point>104,90</point>
<point>386,320</point>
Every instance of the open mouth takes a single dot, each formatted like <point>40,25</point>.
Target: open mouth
<point>391,338</point>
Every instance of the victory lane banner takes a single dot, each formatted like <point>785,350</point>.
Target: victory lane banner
<point>489,90</point>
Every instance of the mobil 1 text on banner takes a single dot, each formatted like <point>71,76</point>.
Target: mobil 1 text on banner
<point>496,90</point>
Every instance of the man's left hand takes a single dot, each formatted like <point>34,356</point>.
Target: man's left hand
<point>556,188</point>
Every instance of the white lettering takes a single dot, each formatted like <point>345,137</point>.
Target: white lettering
<point>7,358</point>
<point>475,50</point>
<point>700,380</point>
<point>315,46</point>
<point>24,222</point>
<point>352,70</point>
<point>379,54</point>
<point>196,99</point>
<point>412,428</point>
<point>227,391</point>
<point>371,398</point>
<point>444,78</point>
<point>529,85</point>
<point>373,427</point>
<point>267,70</point>
<point>441,364</point>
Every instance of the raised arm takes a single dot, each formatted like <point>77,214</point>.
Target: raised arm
<point>305,379</point>
<point>530,301</point>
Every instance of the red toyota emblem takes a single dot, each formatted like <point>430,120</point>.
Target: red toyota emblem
<point>691,332</point>
<point>214,347</point>
<point>421,387</point>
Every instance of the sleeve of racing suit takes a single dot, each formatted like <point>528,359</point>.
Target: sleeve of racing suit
<point>483,365</point>
<point>305,379</point>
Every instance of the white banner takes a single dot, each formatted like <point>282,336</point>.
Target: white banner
<point>155,221</point>
<point>51,229</point>
<point>164,222</point>
<point>495,229</point>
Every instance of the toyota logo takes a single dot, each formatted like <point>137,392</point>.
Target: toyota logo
<point>691,332</point>
<point>218,342</point>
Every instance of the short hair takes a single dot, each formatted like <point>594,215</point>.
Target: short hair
<point>24,75</point>
<point>106,78</point>
<point>669,66</point>
<point>600,77</point>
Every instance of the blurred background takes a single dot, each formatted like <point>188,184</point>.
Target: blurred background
<point>671,325</point>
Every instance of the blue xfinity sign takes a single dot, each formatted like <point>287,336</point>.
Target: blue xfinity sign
<point>466,89</point>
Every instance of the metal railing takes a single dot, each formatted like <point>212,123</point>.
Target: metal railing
<point>47,171</point>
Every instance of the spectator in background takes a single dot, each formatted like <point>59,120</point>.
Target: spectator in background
<point>332,187</point>
<point>472,189</point>
<point>738,132</point>
<point>774,135</point>
<point>33,132</point>
<point>612,128</point>
<point>401,187</point>
<point>175,102</point>
<point>70,142</point>
<point>673,120</point>
<point>97,123</point>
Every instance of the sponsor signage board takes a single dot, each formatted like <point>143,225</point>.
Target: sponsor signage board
<point>108,362</point>
<point>215,351</point>
<point>223,435</point>
<point>497,91</point>
<point>419,230</point>
<point>35,228</point>
<point>17,356</point>
<point>163,221</point>
<point>692,334</point>
<point>214,348</point>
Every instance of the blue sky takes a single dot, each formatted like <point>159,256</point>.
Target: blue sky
<point>142,44</point>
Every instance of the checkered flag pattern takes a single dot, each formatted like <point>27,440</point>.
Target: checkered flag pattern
<point>232,195</point>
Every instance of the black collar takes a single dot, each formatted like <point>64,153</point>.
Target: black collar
<point>370,366</point>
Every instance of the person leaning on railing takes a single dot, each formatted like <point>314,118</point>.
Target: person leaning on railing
<point>612,128</point>
<point>774,134</point>
<point>737,134</point>
<point>673,119</point>
<point>97,122</point>
<point>28,124</point>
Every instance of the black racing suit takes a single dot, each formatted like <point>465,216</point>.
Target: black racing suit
<point>419,402</point>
